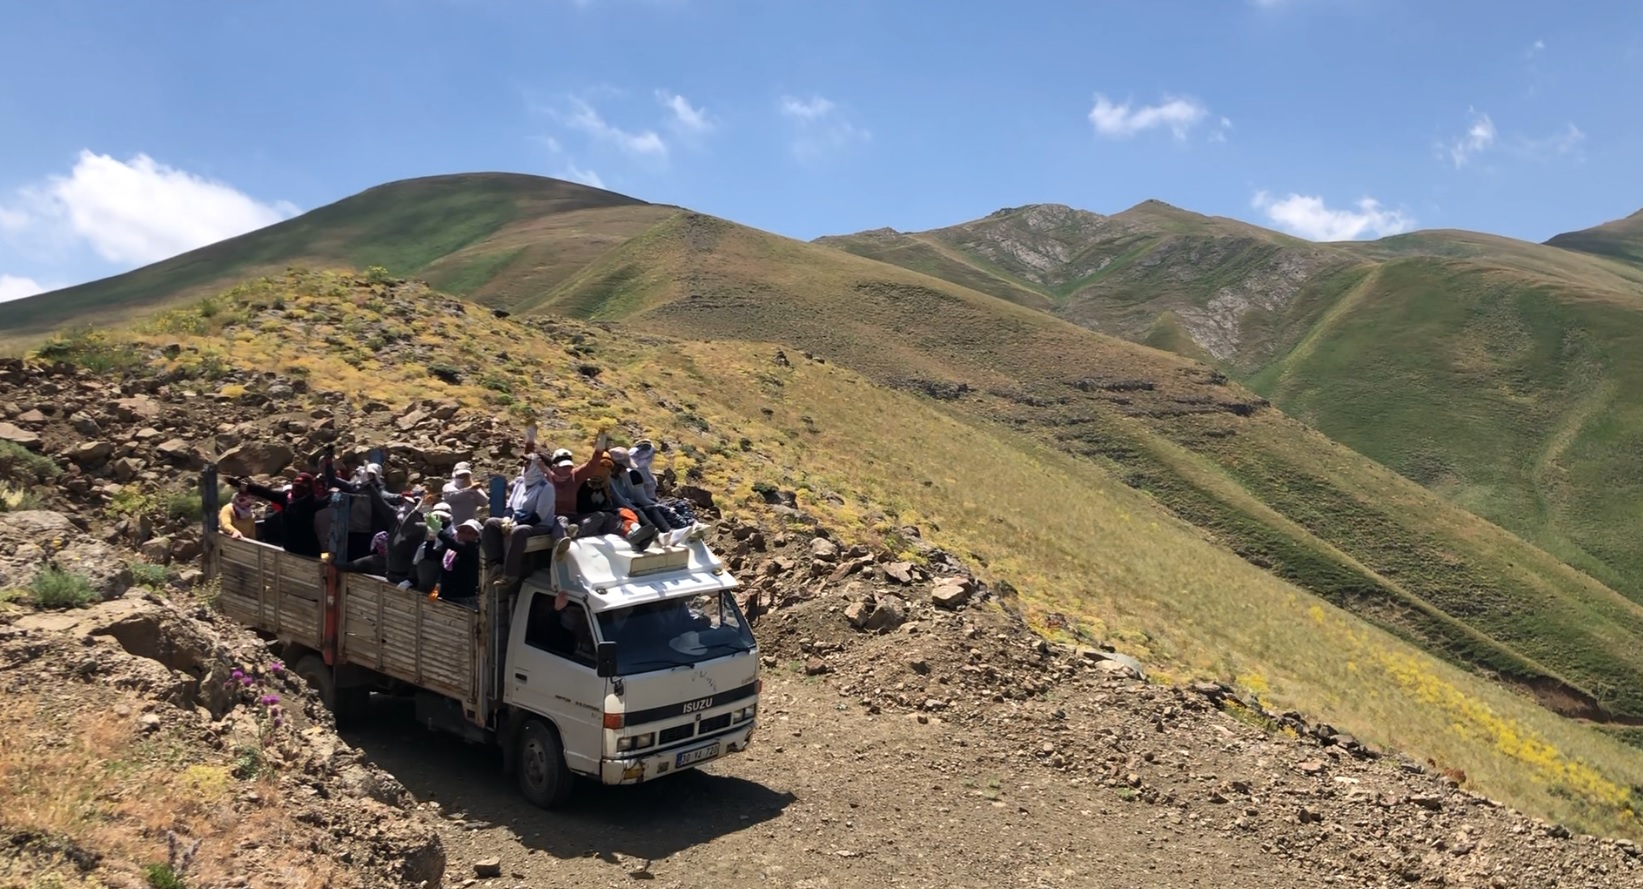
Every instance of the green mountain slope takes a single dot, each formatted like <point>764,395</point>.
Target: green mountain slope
<point>1026,477</point>
<point>1499,373</point>
<point>1621,239</point>
<point>1282,496</point>
<point>496,237</point>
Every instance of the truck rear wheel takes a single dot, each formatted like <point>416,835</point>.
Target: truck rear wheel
<point>544,779</point>
<point>344,704</point>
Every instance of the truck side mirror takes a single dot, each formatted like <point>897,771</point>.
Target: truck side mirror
<point>605,660</point>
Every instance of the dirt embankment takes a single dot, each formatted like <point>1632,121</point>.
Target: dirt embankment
<point>142,737</point>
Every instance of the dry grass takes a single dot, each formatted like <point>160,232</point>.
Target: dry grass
<point>1081,544</point>
<point>76,770</point>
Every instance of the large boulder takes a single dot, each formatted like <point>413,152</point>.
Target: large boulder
<point>19,436</point>
<point>255,458</point>
<point>90,454</point>
<point>180,452</point>
<point>28,537</point>
<point>140,407</point>
<point>952,592</point>
<point>877,615</point>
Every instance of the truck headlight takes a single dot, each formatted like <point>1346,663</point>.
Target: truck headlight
<point>636,742</point>
<point>746,713</point>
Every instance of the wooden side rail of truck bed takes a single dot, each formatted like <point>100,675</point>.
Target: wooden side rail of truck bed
<point>402,634</point>
<point>268,589</point>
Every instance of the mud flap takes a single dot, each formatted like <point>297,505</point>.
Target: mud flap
<point>508,736</point>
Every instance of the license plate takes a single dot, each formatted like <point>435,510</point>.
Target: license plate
<point>691,757</point>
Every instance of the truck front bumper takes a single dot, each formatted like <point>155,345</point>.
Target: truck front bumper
<point>644,767</point>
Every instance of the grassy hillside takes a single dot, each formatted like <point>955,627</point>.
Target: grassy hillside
<point>1027,475</point>
<point>1499,373</point>
<point>1284,497</point>
<point>495,237</point>
<point>1621,239</point>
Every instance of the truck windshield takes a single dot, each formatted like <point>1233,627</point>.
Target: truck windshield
<point>676,632</point>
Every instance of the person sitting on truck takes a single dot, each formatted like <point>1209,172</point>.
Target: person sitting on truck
<point>641,455</point>
<point>371,509</point>
<point>406,536</point>
<point>530,511</point>
<point>597,496</point>
<point>628,484</point>
<point>427,559</point>
<point>567,478</point>
<point>237,519</point>
<point>465,498</point>
<point>375,562</point>
<point>271,530</point>
<point>298,504</point>
<point>459,566</point>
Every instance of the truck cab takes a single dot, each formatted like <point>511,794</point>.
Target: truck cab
<point>626,666</point>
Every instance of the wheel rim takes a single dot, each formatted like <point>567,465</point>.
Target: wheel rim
<point>535,763</point>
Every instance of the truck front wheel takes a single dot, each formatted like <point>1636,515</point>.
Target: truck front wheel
<point>544,779</point>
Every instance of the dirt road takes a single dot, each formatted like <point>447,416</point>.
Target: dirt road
<point>829,796</point>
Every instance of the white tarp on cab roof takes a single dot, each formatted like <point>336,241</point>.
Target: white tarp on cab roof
<point>613,575</point>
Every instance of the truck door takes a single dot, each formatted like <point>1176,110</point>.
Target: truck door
<point>552,674</point>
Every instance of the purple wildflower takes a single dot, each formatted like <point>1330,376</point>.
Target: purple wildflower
<point>269,700</point>
<point>238,674</point>
<point>276,668</point>
<point>279,721</point>
<point>245,681</point>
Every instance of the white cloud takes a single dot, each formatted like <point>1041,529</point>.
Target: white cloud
<point>1479,137</point>
<point>686,117</point>
<point>1308,217</point>
<point>822,128</point>
<point>1121,121</point>
<point>1219,134</point>
<point>13,287</point>
<point>137,211</point>
<point>1536,48</point>
<point>13,220</point>
<point>1563,143</point>
<point>577,174</point>
<point>642,143</point>
<point>813,108</point>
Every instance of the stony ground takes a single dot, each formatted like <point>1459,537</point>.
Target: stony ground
<point>952,747</point>
<point>127,740</point>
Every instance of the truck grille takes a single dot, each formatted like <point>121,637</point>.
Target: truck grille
<point>681,732</point>
<point>677,733</point>
<point>713,724</point>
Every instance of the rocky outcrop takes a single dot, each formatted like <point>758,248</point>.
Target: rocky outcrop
<point>266,764</point>
<point>32,540</point>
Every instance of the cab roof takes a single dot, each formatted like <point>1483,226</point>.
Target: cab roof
<point>610,574</point>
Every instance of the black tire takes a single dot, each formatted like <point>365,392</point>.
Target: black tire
<point>544,779</point>
<point>311,669</point>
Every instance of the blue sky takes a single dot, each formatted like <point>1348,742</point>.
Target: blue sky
<point>130,135</point>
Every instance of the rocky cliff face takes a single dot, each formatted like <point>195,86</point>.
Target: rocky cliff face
<point>1235,288</point>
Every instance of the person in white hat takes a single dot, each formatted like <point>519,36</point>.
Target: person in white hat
<point>465,497</point>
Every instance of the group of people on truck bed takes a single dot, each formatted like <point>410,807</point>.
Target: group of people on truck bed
<point>435,540</point>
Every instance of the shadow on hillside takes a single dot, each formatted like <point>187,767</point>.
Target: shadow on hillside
<point>653,820</point>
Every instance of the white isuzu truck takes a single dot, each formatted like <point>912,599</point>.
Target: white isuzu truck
<point>648,668</point>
